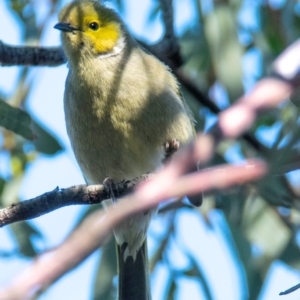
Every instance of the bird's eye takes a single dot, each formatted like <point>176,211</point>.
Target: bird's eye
<point>94,25</point>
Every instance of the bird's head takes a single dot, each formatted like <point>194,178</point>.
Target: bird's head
<point>89,28</point>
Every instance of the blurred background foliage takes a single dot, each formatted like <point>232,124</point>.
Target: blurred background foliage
<point>263,218</point>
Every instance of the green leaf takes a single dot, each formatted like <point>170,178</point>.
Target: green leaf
<point>272,29</point>
<point>268,118</point>
<point>225,48</point>
<point>10,192</point>
<point>154,12</point>
<point>196,272</point>
<point>16,120</point>
<point>171,290</point>
<point>87,212</point>
<point>23,233</point>
<point>44,142</point>
<point>232,204</point>
<point>196,55</point>
<point>2,184</point>
<point>274,190</point>
<point>18,5</point>
<point>158,253</point>
<point>200,274</point>
<point>295,97</point>
<point>260,223</point>
<point>243,247</point>
<point>107,270</point>
<point>291,254</point>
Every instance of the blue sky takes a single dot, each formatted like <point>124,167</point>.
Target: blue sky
<point>212,245</point>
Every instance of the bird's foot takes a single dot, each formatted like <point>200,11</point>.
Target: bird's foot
<point>110,186</point>
<point>171,146</point>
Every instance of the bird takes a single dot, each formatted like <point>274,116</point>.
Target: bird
<point>122,107</point>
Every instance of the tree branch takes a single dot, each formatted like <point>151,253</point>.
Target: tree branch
<point>31,56</point>
<point>76,195</point>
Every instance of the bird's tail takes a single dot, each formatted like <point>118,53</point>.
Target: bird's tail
<point>134,274</point>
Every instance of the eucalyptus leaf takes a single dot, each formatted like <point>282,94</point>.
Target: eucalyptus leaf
<point>45,142</point>
<point>197,271</point>
<point>244,254</point>
<point>23,233</point>
<point>16,120</point>
<point>18,6</point>
<point>295,97</point>
<point>291,254</point>
<point>2,185</point>
<point>274,190</point>
<point>88,212</point>
<point>261,222</point>
<point>10,192</point>
<point>158,253</point>
<point>225,48</point>
<point>171,290</point>
<point>107,270</point>
<point>196,55</point>
<point>154,12</point>
<point>273,29</point>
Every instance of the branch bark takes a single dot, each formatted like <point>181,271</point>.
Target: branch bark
<point>31,56</point>
<point>76,195</point>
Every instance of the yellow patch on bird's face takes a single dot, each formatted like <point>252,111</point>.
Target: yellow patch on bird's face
<point>103,36</point>
<point>96,27</point>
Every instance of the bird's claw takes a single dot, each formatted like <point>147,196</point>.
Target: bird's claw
<point>110,186</point>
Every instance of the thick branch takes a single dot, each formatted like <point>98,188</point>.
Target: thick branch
<point>76,195</point>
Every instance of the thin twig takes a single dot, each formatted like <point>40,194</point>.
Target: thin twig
<point>290,290</point>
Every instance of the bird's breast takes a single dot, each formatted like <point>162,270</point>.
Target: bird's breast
<point>105,140</point>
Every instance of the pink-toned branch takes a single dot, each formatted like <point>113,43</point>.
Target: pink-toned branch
<point>266,94</point>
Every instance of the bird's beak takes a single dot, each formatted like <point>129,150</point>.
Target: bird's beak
<point>66,27</point>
